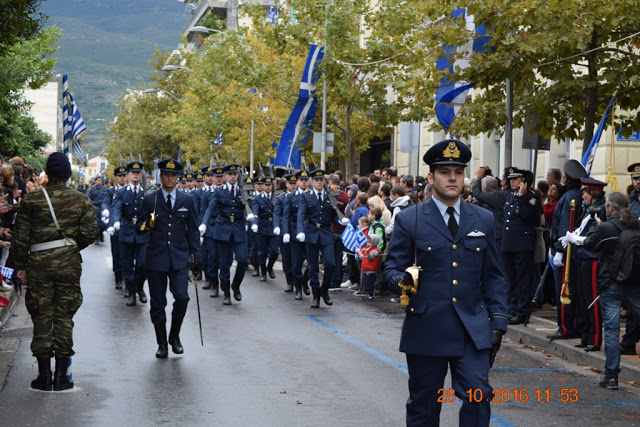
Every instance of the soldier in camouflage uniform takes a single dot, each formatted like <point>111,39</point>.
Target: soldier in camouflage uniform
<point>48,261</point>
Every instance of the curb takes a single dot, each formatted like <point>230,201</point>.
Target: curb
<point>629,369</point>
<point>6,311</point>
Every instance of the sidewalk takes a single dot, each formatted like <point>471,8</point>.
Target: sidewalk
<point>540,325</point>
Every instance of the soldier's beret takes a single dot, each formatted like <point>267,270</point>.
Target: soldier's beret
<point>170,165</point>
<point>448,152</point>
<point>58,165</point>
<point>634,170</point>
<point>135,167</point>
<point>317,173</point>
<point>232,168</point>
<point>592,183</point>
<point>291,178</point>
<point>120,170</point>
<point>302,174</point>
<point>574,169</point>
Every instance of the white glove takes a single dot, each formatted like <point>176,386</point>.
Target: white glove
<point>300,237</point>
<point>202,228</point>
<point>251,217</point>
<point>116,226</point>
<point>286,238</point>
<point>557,259</point>
<point>563,240</point>
<point>578,240</point>
<point>254,228</point>
<point>105,220</point>
<point>344,221</point>
<point>110,231</point>
<point>105,213</point>
<point>276,231</point>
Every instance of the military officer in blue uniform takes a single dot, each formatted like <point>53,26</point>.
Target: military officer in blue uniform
<point>209,247</point>
<point>133,247</point>
<point>96,194</point>
<point>570,321</point>
<point>459,314</point>
<point>289,225</point>
<point>190,179</point>
<point>278,215</point>
<point>521,217</point>
<point>315,216</point>
<point>227,211</point>
<point>169,220</point>
<point>108,203</point>
<point>258,189</point>
<point>262,207</point>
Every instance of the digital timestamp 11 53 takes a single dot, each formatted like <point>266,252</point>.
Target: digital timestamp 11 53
<point>518,395</point>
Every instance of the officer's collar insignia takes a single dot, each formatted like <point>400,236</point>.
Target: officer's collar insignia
<point>171,165</point>
<point>452,151</point>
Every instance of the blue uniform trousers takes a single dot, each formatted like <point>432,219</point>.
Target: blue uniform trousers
<point>426,378</point>
<point>338,247</point>
<point>203,256</point>
<point>131,252</point>
<point>313,251</point>
<point>519,267</point>
<point>178,285</point>
<point>116,257</point>
<point>298,252</point>
<point>253,244</point>
<point>267,248</point>
<point>213,262</point>
<point>285,254</point>
<point>226,252</point>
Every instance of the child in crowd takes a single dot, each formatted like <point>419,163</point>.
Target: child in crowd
<point>370,256</point>
<point>377,227</point>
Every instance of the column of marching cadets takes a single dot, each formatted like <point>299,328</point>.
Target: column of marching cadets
<point>294,222</point>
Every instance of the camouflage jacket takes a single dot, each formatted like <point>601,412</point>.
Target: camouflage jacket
<point>34,224</point>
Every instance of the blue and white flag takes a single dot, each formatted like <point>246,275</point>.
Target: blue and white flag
<point>7,272</point>
<point>353,238</point>
<point>74,127</point>
<point>451,95</point>
<point>156,172</point>
<point>298,127</point>
<point>274,14</point>
<point>590,154</point>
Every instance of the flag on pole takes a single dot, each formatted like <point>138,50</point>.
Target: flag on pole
<point>451,95</point>
<point>298,127</point>
<point>274,14</point>
<point>74,127</point>
<point>590,154</point>
<point>353,238</point>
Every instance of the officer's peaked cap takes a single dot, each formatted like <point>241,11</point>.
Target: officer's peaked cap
<point>448,152</point>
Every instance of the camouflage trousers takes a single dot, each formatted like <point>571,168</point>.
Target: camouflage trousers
<point>52,298</point>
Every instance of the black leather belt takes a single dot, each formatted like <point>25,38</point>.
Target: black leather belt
<point>132,220</point>
<point>232,218</point>
<point>317,225</point>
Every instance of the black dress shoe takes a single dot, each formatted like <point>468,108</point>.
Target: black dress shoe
<point>143,297</point>
<point>227,299</point>
<point>214,292</point>
<point>592,348</point>
<point>556,336</point>
<point>176,345</point>
<point>163,351</point>
<point>271,273</point>
<point>581,345</point>
<point>237,295</point>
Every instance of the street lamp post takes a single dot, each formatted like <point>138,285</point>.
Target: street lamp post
<point>175,68</point>
<point>163,92</point>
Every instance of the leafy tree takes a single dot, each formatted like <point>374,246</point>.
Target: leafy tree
<point>20,22</point>
<point>566,59</point>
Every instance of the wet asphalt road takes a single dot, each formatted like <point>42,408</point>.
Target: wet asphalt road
<point>272,361</point>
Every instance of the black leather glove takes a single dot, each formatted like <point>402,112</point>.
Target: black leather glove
<point>195,267</point>
<point>496,341</point>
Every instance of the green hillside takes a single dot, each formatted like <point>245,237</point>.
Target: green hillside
<point>106,48</point>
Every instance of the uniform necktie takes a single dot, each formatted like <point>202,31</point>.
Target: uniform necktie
<point>320,198</point>
<point>452,224</point>
<point>135,192</point>
<point>233,191</point>
<point>169,202</point>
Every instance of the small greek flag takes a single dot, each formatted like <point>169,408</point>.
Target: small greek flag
<point>353,238</point>
<point>74,127</point>
<point>7,272</point>
<point>274,14</point>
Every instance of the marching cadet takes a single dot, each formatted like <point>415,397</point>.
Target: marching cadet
<point>315,216</point>
<point>199,181</point>
<point>182,184</point>
<point>108,204</point>
<point>258,189</point>
<point>569,321</point>
<point>262,207</point>
<point>96,195</point>
<point>209,247</point>
<point>521,217</point>
<point>278,217</point>
<point>52,226</point>
<point>189,178</point>
<point>168,217</point>
<point>133,247</point>
<point>290,225</point>
<point>459,313</point>
<point>230,234</point>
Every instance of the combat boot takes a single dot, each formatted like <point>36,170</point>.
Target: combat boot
<point>214,287</point>
<point>289,277</point>
<point>225,287</point>
<point>256,268</point>
<point>272,261</point>
<point>235,286</point>
<point>298,286</point>
<point>325,294</point>
<point>60,379</point>
<point>126,288</point>
<point>315,303</point>
<point>44,381</point>
<point>119,280</point>
<point>305,283</point>
<point>161,338</point>
<point>132,294</point>
<point>140,288</point>
<point>174,335</point>
<point>263,273</point>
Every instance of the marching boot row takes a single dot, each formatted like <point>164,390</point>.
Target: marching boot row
<point>136,287</point>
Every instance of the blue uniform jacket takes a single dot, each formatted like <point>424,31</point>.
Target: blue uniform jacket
<point>562,215</point>
<point>278,210</point>
<point>521,217</point>
<point>109,203</point>
<point>263,210</point>
<point>175,236</point>
<point>226,214</point>
<point>315,220</point>
<point>461,284</point>
<point>290,213</point>
<point>126,210</point>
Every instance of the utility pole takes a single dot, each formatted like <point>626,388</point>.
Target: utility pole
<point>508,128</point>
<point>232,15</point>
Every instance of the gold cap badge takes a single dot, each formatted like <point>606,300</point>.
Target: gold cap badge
<point>452,151</point>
